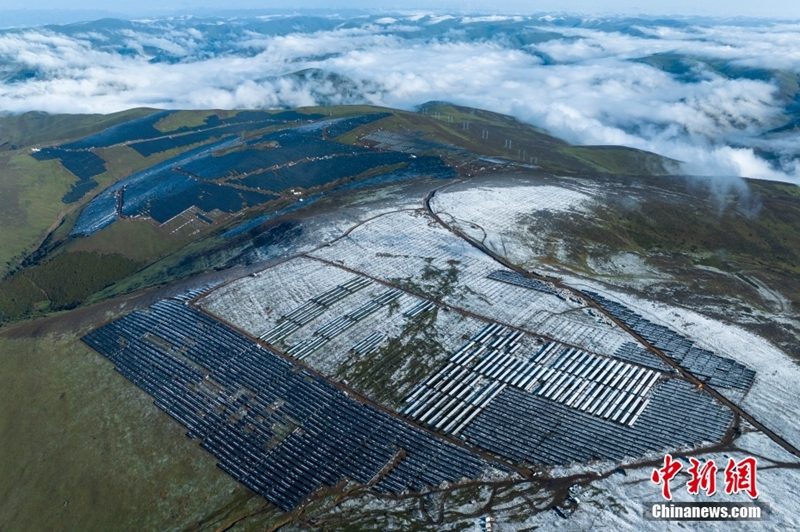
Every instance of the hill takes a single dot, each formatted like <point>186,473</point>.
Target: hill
<point>141,191</point>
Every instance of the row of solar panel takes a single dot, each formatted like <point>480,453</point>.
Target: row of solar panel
<point>716,370</point>
<point>526,428</point>
<point>279,430</point>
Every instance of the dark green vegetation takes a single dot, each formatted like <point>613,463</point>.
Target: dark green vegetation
<point>37,249</point>
<point>436,282</point>
<point>39,288</point>
<point>142,241</point>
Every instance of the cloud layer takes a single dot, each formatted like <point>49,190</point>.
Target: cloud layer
<point>704,93</point>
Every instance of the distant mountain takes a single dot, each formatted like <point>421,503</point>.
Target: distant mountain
<point>721,95</point>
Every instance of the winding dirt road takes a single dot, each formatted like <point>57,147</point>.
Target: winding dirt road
<point>684,373</point>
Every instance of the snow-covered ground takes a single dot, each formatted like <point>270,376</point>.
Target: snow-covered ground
<point>496,214</point>
<point>617,502</point>
<point>499,211</point>
<point>407,248</point>
<point>772,399</point>
<point>503,205</point>
<point>255,303</point>
<point>404,246</point>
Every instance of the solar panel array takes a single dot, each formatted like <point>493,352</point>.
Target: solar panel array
<point>139,128</point>
<point>636,354</point>
<point>716,370</point>
<point>78,190</point>
<point>203,195</point>
<point>316,172</point>
<point>515,278</point>
<point>527,428</point>
<point>188,136</point>
<point>400,142</point>
<point>143,129</point>
<point>156,183</point>
<point>195,292</point>
<point>368,345</point>
<point>313,308</point>
<point>83,164</point>
<point>450,399</point>
<point>338,325</point>
<point>142,135</point>
<point>419,308</point>
<point>278,429</point>
<point>345,125</point>
<point>295,145</point>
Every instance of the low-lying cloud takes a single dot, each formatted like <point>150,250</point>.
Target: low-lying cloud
<point>705,94</point>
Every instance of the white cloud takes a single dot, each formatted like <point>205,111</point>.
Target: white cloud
<point>587,89</point>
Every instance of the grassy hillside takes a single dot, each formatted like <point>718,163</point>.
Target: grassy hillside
<point>31,190</point>
<point>60,272</point>
<point>733,255</point>
<point>30,204</point>
<point>757,229</point>
<point>83,449</point>
<point>483,133</point>
<point>36,127</point>
<point>61,283</point>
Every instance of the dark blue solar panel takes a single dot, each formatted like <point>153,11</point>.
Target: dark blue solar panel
<point>207,197</point>
<point>348,124</point>
<point>293,146</point>
<point>320,172</point>
<point>141,128</point>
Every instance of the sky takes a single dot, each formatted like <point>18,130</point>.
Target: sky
<point>707,92</point>
<point>45,10</point>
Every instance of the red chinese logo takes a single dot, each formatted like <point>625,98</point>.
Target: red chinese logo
<point>702,477</point>
<point>665,474</point>
<point>739,476</point>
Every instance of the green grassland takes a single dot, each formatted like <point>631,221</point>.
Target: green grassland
<point>61,283</point>
<point>122,161</point>
<point>389,375</point>
<point>197,257</point>
<point>84,449</point>
<point>136,239</point>
<point>186,119</point>
<point>36,128</point>
<point>31,190</point>
<point>30,204</point>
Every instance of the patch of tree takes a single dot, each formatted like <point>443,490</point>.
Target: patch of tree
<point>62,283</point>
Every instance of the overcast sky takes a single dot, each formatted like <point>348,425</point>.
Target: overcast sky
<point>716,8</point>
